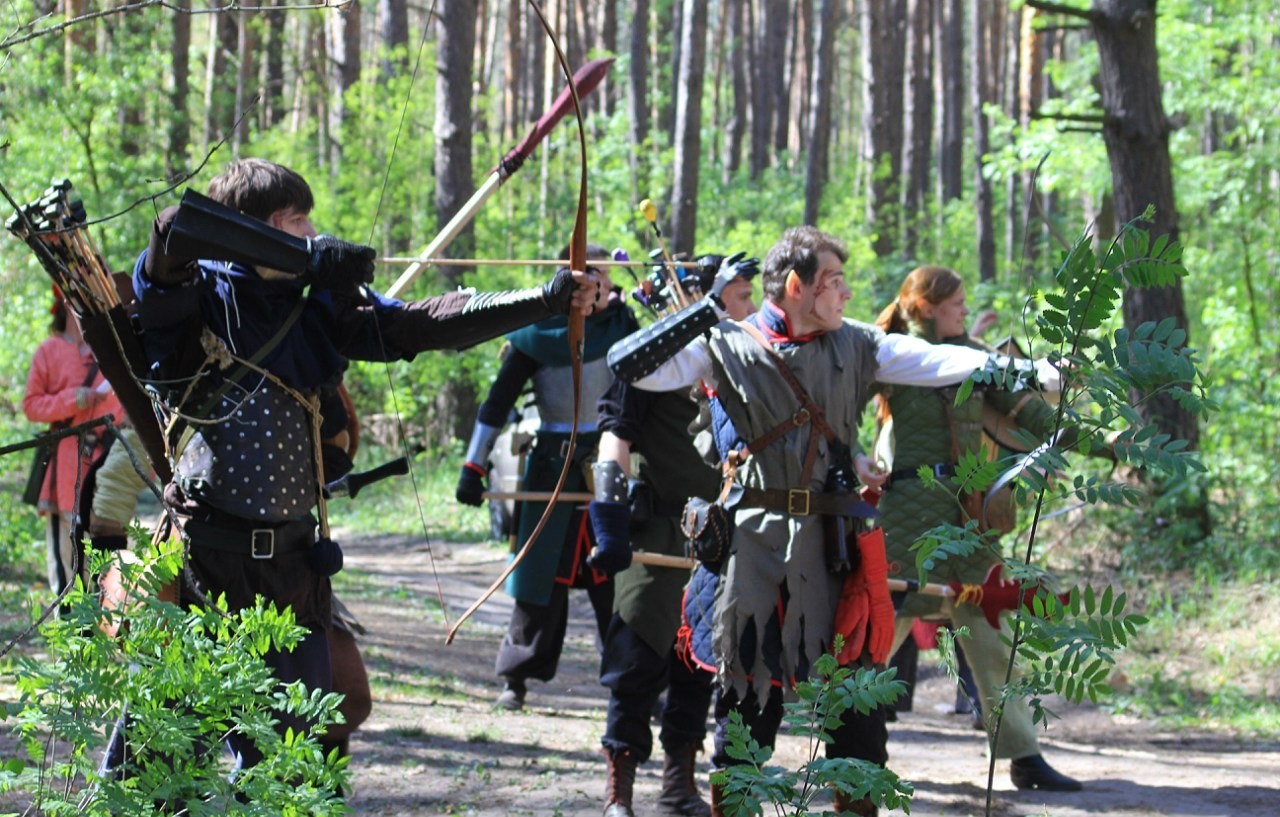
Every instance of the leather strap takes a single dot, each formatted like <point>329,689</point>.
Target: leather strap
<point>808,413</point>
<point>800,502</point>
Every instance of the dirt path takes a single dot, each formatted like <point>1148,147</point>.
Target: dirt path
<point>435,746</point>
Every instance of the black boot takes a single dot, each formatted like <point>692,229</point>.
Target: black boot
<point>622,780</point>
<point>679,784</point>
<point>512,697</point>
<point>1032,772</point>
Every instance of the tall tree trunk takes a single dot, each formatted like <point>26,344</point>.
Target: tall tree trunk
<point>639,96</point>
<point>219,89</point>
<point>737,125</point>
<point>667,31</point>
<point>819,130</point>
<point>981,147</point>
<point>246,50</point>
<point>179,117</point>
<point>784,41</point>
<point>882,120</point>
<point>1136,133</point>
<point>1014,215</point>
<point>511,73</point>
<point>919,119</point>
<point>684,194</point>
<point>951,156</point>
<point>454,181</point>
<point>761,89</point>
<point>609,42</point>
<point>273,59</point>
<point>393,24</point>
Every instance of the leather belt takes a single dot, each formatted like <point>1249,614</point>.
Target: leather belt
<point>265,542</point>
<point>803,502</point>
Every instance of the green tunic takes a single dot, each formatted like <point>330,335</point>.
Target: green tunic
<point>922,434</point>
<point>648,597</point>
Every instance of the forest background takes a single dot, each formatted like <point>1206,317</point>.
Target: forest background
<point>986,136</point>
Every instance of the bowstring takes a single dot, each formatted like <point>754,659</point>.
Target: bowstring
<point>386,364</point>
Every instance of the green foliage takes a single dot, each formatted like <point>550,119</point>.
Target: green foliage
<point>167,673</point>
<point>1068,647</point>
<point>821,706</point>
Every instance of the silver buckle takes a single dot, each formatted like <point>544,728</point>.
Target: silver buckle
<point>564,449</point>
<point>262,543</point>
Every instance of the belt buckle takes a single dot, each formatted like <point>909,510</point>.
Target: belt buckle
<point>943,470</point>
<point>262,543</point>
<point>564,449</point>
<point>794,506</point>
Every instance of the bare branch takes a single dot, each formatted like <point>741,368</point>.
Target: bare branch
<point>17,38</point>
<point>1062,8</point>
<point>1091,118</point>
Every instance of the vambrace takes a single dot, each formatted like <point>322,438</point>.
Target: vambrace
<point>483,437</point>
<point>488,315</point>
<point>641,353</point>
<point>610,482</point>
<point>203,228</point>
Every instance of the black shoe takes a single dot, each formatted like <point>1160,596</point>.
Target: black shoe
<point>1033,772</point>
<point>512,696</point>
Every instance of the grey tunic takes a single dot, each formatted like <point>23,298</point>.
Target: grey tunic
<point>769,548</point>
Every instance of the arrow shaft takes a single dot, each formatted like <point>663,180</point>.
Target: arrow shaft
<point>517,262</point>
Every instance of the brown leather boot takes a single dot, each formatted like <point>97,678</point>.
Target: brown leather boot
<point>679,785</point>
<point>717,800</point>
<point>845,804</point>
<point>622,780</point>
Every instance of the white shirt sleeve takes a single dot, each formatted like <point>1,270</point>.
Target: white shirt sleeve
<point>690,365</point>
<point>911,361</point>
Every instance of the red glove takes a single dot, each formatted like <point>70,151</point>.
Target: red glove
<point>874,568</point>
<point>852,615</point>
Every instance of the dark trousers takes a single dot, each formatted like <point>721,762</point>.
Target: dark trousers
<point>531,648</point>
<point>309,663</point>
<point>863,737</point>
<point>635,676</point>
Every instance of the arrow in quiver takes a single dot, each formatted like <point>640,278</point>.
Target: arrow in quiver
<point>53,226</point>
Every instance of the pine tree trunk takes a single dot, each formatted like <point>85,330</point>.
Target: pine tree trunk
<point>919,119</point>
<point>688,142</point>
<point>819,130</point>
<point>179,140</point>
<point>737,125</point>
<point>951,156</point>
<point>454,181</point>
<point>981,147</point>
<point>883,24</point>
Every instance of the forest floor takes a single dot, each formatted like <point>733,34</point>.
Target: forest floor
<point>435,745</point>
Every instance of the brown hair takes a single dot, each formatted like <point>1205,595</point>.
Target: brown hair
<point>797,250</point>
<point>259,188</point>
<point>928,284</point>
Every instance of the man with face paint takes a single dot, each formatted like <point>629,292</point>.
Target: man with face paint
<point>775,600</point>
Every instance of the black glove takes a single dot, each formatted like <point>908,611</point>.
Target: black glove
<point>557,293</point>
<point>611,524</point>
<point>471,485</point>
<point>734,267</point>
<point>339,265</point>
<point>708,266</point>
